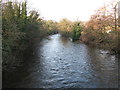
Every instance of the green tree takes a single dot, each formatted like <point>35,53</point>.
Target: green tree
<point>76,31</point>
<point>10,32</point>
<point>19,30</point>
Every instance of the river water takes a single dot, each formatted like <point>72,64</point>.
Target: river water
<point>60,63</point>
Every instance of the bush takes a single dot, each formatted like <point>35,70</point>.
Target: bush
<point>76,32</point>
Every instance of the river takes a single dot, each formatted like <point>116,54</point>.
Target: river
<point>60,63</point>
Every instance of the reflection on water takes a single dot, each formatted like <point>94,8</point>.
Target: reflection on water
<point>60,63</point>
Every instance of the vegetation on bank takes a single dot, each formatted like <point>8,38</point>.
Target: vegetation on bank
<point>21,28</point>
<point>71,29</point>
<point>102,30</point>
<point>76,32</point>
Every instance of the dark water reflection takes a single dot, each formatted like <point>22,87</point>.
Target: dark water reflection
<point>60,63</point>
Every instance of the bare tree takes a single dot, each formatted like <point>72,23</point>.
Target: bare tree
<point>115,16</point>
<point>119,13</point>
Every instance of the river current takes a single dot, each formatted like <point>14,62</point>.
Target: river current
<point>60,63</point>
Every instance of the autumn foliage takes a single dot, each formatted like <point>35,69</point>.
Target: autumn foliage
<point>102,30</point>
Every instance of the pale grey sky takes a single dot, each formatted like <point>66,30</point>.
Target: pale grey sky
<point>70,9</point>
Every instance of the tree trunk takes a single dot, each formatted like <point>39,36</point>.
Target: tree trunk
<point>119,13</point>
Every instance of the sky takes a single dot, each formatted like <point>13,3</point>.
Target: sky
<point>70,9</point>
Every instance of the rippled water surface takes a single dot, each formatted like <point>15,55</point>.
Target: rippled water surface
<point>59,63</point>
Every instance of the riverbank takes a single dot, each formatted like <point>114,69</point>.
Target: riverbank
<point>20,57</point>
<point>112,47</point>
<point>9,73</point>
<point>102,47</point>
<point>107,43</point>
